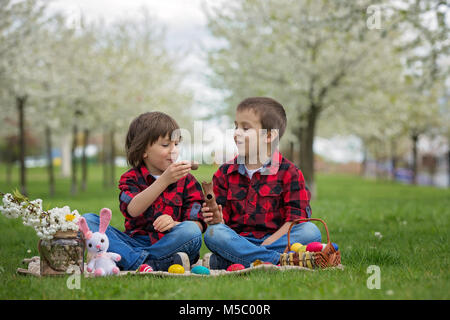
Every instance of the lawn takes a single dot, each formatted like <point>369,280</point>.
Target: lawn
<point>412,253</point>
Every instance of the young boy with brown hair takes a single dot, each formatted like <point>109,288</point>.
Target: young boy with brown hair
<point>159,199</point>
<point>258,193</point>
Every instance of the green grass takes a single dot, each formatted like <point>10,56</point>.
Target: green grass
<point>412,254</point>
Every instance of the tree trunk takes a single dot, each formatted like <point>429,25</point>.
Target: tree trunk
<point>84,167</point>
<point>378,160</point>
<point>393,159</point>
<point>105,158</point>
<point>20,102</point>
<point>363,167</point>
<point>448,168</point>
<point>306,139</point>
<point>51,175</point>
<point>73,188</point>
<point>291,152</point>
<point>415,139</point>
<point>66,156</point>
<point>112,158</point>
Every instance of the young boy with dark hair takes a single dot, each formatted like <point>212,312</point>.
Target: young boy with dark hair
<point>159,198</point>
<point>258,193</point>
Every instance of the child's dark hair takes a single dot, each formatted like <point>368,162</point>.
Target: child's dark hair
<point>271,112</point>
<point>146,130</point>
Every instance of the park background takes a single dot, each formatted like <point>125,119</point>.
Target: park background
<point>365,85</point>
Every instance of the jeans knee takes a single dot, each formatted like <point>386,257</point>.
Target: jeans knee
<point>216,233</point>
<point>190,229</point>
<point>305,233</point>
<point>190,233</point>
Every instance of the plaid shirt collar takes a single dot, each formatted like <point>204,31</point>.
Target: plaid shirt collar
<point>146,174</point>
<point>149,178</point>
<point>270,167</point>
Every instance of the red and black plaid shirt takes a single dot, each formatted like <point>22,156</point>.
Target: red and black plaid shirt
<point>261,205</point>
<point>181,200</point>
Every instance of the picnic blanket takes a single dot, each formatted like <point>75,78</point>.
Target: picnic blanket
<point>34,265</point>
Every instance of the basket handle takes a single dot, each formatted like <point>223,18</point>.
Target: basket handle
<point>297,221</point>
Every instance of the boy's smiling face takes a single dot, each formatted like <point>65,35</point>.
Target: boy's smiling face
<point>248,135</point>
<point>161,154</point>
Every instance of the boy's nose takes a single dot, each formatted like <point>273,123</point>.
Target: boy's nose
<point>237,133</point>
<point>174,151</point>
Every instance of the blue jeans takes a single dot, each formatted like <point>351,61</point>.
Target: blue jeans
<point>225,242</point>
<point>184,237</point>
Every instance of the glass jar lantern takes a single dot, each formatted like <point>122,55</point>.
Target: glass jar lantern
<point>65,250</point>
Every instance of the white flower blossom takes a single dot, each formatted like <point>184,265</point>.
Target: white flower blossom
<point>46,224</point>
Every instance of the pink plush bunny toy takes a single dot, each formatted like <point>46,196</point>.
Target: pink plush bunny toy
<point>103,263</point>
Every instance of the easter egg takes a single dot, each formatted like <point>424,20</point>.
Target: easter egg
<point>235,267</point>
<point>291,251</point>
<point>200,270</point>
<point>145,268</point>
<point>335,246</point>
<point>256,263</point>
<point>176,268</point>
<point>314,247</point>
<point>302,249</point>
<point>296,246</point>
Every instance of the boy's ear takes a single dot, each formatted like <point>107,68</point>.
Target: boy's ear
<point>272,134</point>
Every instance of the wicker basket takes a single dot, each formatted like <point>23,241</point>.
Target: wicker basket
<point>328,257</point>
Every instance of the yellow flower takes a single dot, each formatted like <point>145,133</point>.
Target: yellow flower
<point>70,217</point>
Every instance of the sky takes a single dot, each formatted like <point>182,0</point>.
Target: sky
<point>186,28</point>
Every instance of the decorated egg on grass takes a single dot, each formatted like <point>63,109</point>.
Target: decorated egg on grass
<point>256,263</point>
<point>176,268</point>
<point>259,262</point>
<point>235,267</point>
<point>314,247</point>
<point>145,268</point>
<point>200,270</point>
<point>296,246</point>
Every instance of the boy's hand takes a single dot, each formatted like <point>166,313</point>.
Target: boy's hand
<point>164,223</point>
<point>175,172</point>
<point>212,217</point>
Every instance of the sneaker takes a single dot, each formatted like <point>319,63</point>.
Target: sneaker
<point>180,258</point>
<point>215,262</point>
<point>198,263</point>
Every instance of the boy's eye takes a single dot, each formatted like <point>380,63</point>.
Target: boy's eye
<point>165,145</point>
<point>245,129</point>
